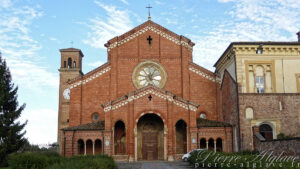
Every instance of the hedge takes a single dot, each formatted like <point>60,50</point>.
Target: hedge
<point>86,162</point>
<point>243,160</point>
<point>55,161</point>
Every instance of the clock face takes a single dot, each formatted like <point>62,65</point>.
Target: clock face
<point>66,94</point>
<point>149,73</point>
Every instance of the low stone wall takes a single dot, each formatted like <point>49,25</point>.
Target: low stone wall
<point>289,147</point>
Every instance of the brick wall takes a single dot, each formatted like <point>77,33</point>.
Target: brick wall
<point>267,107</point>
<point>229,106</point>
<point>88,97</point>
<point>289,147</point>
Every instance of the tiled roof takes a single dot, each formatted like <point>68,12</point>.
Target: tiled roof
<point>211,123</point>
<point>99,125</point>
<point>71,50</point>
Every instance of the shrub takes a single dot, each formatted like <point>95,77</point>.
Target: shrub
<point>86,162</point>
<point>33,160</point>
<point>241,160</point>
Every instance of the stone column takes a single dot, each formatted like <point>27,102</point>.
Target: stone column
<point>85,148</point>
<point>215,146</point>
<point>207,145</point>
<point>135,144</point>
<point>93,147</point>
<point>165,143</point>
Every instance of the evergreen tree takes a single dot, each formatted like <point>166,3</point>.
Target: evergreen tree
<point>11,131</point>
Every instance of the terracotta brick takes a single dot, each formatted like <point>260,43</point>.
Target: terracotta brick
<point>191,87</point>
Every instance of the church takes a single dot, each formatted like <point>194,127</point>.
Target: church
<point>150,101</point>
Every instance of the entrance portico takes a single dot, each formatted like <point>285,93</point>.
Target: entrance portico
<point>150,138</point>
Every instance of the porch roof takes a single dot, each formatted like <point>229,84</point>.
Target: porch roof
<point>211,123</point>
<point>99,125</point>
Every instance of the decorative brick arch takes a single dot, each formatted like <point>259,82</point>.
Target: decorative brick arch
<point>158,113</point>
<point>119,119</point>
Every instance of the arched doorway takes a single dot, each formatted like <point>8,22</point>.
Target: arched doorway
<point>203,143</point>
<point>120,138</point>
<point>150,138</point>
<point>211,144</point>
<point>98,146</point>
<point>89,147</point>
<point>266,131</point>
<point>80,146</point>
<point>219,145</point>
<point>181,137</point>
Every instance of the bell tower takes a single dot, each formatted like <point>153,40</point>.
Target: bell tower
<point>70,68</point>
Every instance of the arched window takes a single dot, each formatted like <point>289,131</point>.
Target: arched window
<point>181,137</point>
<point>89,147</point>
<point>98,146</point>
<point>219,145</point>
<point>65,64</point>
<point>266,131</point>
<point>202,115</point>
<point>259,79</point>
<point>249,113</point>
<point>95,116</point>
<point>74,64</point>
<point>69,62</point>
<point>80,146</point>
<point>203,143</point>
<point>120,138</point>
<point>211,144</point>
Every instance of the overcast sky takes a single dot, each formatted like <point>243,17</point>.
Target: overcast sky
<point>33,31</point>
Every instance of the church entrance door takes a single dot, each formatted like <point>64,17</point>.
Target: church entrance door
<point>150,146</point>
<point>150,143</point>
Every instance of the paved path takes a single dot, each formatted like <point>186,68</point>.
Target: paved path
<point>153,165</point>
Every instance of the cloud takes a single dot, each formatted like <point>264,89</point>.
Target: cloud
<point>225,1</point>
<point>20,49</point>
<point>38,129</point>
<point>5,3</point>
<point>102,30</point>
<point>52,38</point>
<point>124,1</point>
<point>158,2</point>
<point>253,20</point>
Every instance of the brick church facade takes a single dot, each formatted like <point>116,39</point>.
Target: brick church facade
<point>149,101</point>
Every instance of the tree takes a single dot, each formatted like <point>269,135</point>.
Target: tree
<point>11,131</point>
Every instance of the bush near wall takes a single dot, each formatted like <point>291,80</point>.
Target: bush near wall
<point>56,161</point>
<point>86,162</point>
<point>242,160</point>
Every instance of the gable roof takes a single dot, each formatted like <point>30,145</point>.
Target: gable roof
<point>150,89</point>
<point>93,74</point>
<point>99,125</point>
<point>72,50</point>
<point>152,26</point>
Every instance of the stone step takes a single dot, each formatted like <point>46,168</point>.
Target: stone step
<point>120,157</point>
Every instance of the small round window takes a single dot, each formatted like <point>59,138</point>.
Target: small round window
<point>203,116</point>
<point>95,117</point>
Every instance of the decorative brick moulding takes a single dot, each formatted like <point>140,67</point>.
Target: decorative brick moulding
<point>90,78</point>
<point>204,75</point>
<point>145,92</point>
<point>155,30</point>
